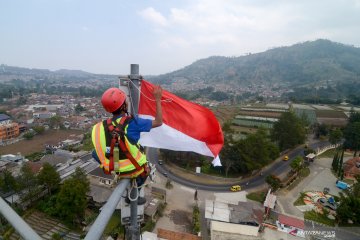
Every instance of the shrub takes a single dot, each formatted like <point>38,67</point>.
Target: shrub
<point>28,135</point>
<point>196,219</point>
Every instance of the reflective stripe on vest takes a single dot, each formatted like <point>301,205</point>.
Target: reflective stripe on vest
<point>125,165</point>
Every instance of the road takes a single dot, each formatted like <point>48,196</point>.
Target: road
<point>327,232</point>
<point>277,168</point>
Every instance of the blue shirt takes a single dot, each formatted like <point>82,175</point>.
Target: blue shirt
<point>136,126</point>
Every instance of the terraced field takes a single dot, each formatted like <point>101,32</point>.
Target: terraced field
<point>252,123</point>
<point>310,114</point>
<point>46,227</point>
<point>260,114</point>
<point>330,114</point>
<point>225,113</point>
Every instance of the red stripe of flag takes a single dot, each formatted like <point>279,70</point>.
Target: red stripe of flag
<point>189,118</point>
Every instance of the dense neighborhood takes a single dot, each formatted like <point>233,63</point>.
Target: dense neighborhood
<point>224,212</point>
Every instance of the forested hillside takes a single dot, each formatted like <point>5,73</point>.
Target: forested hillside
<point>303,64</point>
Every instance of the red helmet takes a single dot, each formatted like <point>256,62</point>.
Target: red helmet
<point>112,99</point>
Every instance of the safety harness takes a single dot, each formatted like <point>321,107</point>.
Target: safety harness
<point>115,138</point>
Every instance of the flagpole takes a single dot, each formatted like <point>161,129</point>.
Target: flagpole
<point>133,232</point>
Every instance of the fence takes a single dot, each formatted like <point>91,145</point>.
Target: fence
<point>322,150</point>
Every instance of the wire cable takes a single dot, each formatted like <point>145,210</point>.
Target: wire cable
<point>165,100</point>
<point>133,185</point>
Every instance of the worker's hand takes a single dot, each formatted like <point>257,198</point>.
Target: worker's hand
<point>157,92</point>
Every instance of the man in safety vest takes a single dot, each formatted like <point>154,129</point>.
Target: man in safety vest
<point>116,139</point>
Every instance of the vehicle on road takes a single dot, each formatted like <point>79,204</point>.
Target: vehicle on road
<point>286,157</point>
<point>160,162</point>
<point>235,188</point>
<point>341,184</point>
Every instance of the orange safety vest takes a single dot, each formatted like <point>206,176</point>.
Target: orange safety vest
<point>125,159</point>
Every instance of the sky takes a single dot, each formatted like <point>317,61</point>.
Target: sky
<point>162,35</point>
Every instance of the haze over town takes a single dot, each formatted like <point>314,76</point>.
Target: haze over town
<point>273,85</point>
<point>162,36</point>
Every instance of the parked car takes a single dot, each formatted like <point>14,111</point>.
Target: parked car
<point>331,204</point>
<point>342,185</point>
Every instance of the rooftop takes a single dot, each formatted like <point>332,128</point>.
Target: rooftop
<point>4,117</point>
<point>291,221</point>
<point>351,166</point>
<point>171,235</point>
<point>244,212</point>
<point>270,200</point>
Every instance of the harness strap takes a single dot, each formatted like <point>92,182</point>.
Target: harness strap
<point>131,158</point>
<point>122,124</point>
<point>111,163</point>
<point>118,132</point>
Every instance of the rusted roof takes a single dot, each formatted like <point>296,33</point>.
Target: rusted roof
<point>350,166</point>
<point>171,235</point>
<point>291,221</point>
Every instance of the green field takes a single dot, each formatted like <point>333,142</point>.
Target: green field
<point>310,114</point>
<point>252,123</point>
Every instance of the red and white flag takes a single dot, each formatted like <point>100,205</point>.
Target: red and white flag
<point>186,126</point>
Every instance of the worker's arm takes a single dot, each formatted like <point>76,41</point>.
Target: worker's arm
<point>157,122</point>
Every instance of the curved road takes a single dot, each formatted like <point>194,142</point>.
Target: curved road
<point>276,168</point>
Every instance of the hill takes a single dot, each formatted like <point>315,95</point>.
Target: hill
<point>11,72</point>
<point>320,61</point>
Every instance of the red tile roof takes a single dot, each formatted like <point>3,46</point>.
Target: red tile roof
<point>350,166</point>
<point>295,222</point>
<point>35,166</point>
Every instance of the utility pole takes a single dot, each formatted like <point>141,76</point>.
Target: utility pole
<point>132,231</point>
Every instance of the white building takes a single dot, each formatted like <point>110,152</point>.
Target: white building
<point>234,222</point>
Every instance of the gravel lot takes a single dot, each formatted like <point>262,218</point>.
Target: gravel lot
<point>37,144</point>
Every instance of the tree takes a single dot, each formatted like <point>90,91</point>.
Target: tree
<point>87,144</point>
<point>80,175</point>
<point>228,155</point>
<point>28,183</point>
<point>352,136</point>
<point>354,116</point>
<point>356,187</point>
<point>245,155</point>
<point>55,121</point>
<point>273,181</point>
<point>304,119</point>
<point>349,208</point>
<point>297,164</point>
<point>21,101</point>
<point>71,201</point>
<point>79,108</point>
<point>335,136</point>
<point>322,130</point>
<point>7,182</point>
<point>335,162</point>
<point>49,177</point>
<point>288,131</point>
<point>28,135</point>
<point>340,167</point>
<point>39,129</point>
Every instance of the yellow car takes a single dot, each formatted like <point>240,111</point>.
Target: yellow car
<point>235,188</point>
<point>286,158</point>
